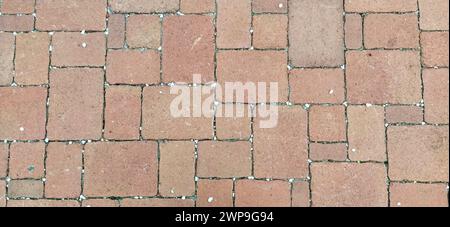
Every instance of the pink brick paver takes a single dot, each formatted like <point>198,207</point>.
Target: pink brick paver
<point>127,103</point>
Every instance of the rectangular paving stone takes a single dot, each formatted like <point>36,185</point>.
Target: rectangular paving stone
<point>353,31</point>
<point>177,169</point>
<point>116,31</point>
<point>159,123</point>
<point>352,184</point>
<point>25,189</point>
<point>391,31</point>
<point>63,170</point>
<point>270,6</point>
<point>254,67</point>
<point>366,133</point>
<point>157,203</point>
<point>143,31</point>
<point>120,100</point>
<point>434,14</point>
<point>17,6</point>
<point>270,31</point>
<point>300,194</point>
<point>16,23</point>
<point>4,156</point>
<point>76,49</point>
<point>215,193</point>
<point>121,169</point>
<point>327,123</point>
<point>404,114</point>
<point>383,76</point>
<point>197,6</point>
<point>76,104</point>
<point>144,6</point>
<point>282,151</point>
<point>419,195</point>
<point>224,159</point>
<point>435,49</point>
<point>26,160</point>
<point>23,114</point>
<point>233,23</point>
<point>43,203</point>
<point>317,86</point>
<point>7,42</point>
<point>328,151</point>
<point>2,194</point>
<point>89,15</point>
<point>418,153</point>
<point>312,43</point>
<point>188,48</point>
<point>133,67</point>
<point>250,193</point>
<point>436,94</point>
<point>380,5</point>
<point>32,58</point>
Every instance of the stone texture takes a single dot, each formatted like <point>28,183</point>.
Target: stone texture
<point>188,48</point>
<point>26,160</point>
<point>121,100</point>
<point>32,58</point>
<point>159,123</point>
<point>418,153</point>
<point>133,67</point>
<point>312,43</point>
<point>76,49</point>
<point>317,86</point>
<point>419,195</point>
<point>436,90</point>
<point>121,169</point>
<point>215,193</point>
<point>262,194</point>
<point>366,133</point>
<point>224,159</point>
<point>380,5</point>
<point>76,104</point>
<point>143,31</point>
<point>234,23</point>
<point>404,114</point>
<point>23,113</point>
<point>381,76</point>
<point>89,15</point>
<point>434,14</point>
<point>353,185</point>
<point>353,31</point>
<point>435,48</point>
<point>282,151</point>
<point>177,169</point>
<point>7,41</point>
<point>270,31</point>
<point>64,165</point>
<point>391,31</point>
<point>327,123</point>
<point>144,6</point>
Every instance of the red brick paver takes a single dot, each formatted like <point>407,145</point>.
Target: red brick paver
<point>88,91</point>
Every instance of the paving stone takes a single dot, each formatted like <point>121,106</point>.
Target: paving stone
<point>312,44</point>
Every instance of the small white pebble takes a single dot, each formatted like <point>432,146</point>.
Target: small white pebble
<point>399,204</point>
<point>84,45</point>
<point>210,199</point>
<point>21,129</point>
<point>280,5</point>
<point>368,105</point>
<point>331,92</point>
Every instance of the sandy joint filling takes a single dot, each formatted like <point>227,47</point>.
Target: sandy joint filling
<point>191,102</point>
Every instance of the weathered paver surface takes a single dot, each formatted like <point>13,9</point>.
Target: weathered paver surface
<point>87,90</point>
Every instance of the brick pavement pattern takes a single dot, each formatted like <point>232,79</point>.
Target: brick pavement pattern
<point>363,105</point>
